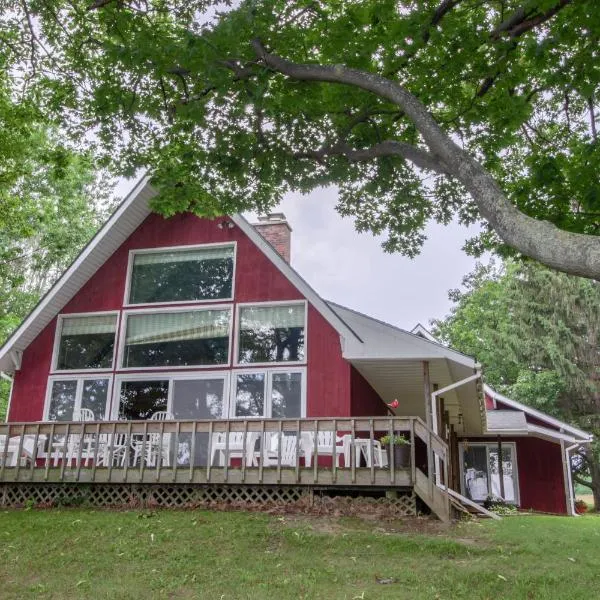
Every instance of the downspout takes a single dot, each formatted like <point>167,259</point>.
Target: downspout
<point>571,499</point>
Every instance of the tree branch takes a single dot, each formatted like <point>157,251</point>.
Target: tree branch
<point>420,158</point>
<point>522,20</point>
<point>574,253</point>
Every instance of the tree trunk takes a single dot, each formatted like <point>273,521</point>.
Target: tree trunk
<point>595,474</point>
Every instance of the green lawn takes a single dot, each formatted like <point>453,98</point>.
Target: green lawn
<point>77,553</point>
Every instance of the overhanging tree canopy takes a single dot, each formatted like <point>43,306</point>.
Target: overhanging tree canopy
<point>415,110</point>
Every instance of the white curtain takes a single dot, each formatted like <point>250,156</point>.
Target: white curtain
<point>85,325</point>
<point>271,317</point>
<point>175,326</point>
<point>159,258</point>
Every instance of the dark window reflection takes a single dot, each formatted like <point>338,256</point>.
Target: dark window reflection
<point>250,395</point>
<point>94,395</point>
<point>286,395</point>
<point>86,351</point>
<point>206,279</point>
<point>141,399</point>
<point>196,399</point>
<point>211,351</point>
<point>274,344</point>
<point>62,401</point>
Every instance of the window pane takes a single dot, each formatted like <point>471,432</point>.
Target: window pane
<point>196,399</point>
<point>271,333</point>
<point>182,275</point>
<point>250,395</point>
<point>62,400</point>
<point>287,395</point>
<point>141,399</point>
<point>87,342</point>
<point>94,395</point>
<point>507,474</point>
<point>476,475</point>
<point>177,339</point>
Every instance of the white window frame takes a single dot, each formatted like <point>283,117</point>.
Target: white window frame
<point>155,310</point>
<point>79,390</point>
<point>493,446</point>
<point>236,333</point>
<point>133,252</point>
<point>268,389</point>
<point>58,334</point>
<point>171,376</point>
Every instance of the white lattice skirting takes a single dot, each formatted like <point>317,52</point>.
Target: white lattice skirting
<point>187,496</point>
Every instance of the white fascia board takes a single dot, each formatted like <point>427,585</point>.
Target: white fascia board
<point>537,414</point>
<point>545,432</point>
<point>12,344</point>
<point>295,279</point>
<point>418,329</point>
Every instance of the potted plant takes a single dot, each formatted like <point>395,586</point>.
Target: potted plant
<point>401,450</point>
<point>581,507</point>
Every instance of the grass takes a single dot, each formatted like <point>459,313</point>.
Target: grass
<point>79,553</point>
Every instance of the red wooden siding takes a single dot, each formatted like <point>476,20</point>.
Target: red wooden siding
<point>364,400</point>
<point>541,480</point>
<point>256,280</point>
<point>540,470</point>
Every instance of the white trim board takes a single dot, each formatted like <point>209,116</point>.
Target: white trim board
<point>578,433</point>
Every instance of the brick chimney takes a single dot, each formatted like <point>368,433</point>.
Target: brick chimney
<point>275,229</point>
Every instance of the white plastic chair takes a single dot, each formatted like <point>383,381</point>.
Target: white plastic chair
<point>156,445</point>
<point>287,447</point>
<point>326,447</point>
<point>235,447</point>
<point>83,414</point>
<point>113,450</point>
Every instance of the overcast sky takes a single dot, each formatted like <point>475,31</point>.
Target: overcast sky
<point>351,268</point>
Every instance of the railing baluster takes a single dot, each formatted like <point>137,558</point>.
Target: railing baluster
<point>19,452</point>
<point>143,452</point>
<point>210,452</point>
<point>298,451</point>
<point>392,453</point>
<point>4,453</point>
<point>353,449</point>
<point>127,453</point>
<point>413,464</point>
<point>263,443</point>
<point>160,450</point>
<point>64,456</point>
<point>80,451</point>
<point>371,439</point>
<point>226,465</point>
<point>193,449</point>
<point>244,440</point>
<point>49,453</point>
<point>280,441</point>
<point>334,457</point>
<point>176,450</point>
<point>316,452</point>
<point>36,440</point>
<point>96,450</point>
<point>111,450</point>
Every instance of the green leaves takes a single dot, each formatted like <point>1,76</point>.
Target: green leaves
<point>176,88</point>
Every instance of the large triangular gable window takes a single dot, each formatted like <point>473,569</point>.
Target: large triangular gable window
<point>181,274</point>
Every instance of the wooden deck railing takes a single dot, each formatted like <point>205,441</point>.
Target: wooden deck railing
<point>253,451</point>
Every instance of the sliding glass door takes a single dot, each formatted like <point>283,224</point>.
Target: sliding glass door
<point>483,476</point>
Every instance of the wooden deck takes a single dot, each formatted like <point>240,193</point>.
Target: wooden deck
<point>103,453</point>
